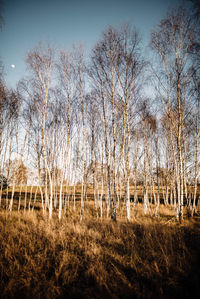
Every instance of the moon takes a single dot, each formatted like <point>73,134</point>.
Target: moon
<point>12,66</point>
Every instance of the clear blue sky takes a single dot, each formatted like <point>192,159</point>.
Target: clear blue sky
<point>64,22</point>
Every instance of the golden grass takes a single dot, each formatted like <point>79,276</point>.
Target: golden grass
<point>95,258</point>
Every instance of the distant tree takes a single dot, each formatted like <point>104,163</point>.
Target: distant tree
<point>21,174</point>
<point>3,182</point>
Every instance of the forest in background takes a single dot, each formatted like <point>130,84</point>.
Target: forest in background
<point>99,168</point>
<point>74,124</point>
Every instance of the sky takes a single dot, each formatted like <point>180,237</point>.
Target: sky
<point>66,22</point>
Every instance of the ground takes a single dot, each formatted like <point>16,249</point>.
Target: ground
<point>98,258</point>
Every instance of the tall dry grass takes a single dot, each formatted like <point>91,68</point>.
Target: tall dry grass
<point>95,258</point>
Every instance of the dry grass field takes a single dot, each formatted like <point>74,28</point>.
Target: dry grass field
<point>146,258</point>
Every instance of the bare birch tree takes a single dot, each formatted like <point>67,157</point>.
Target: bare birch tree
<point>173,41</point>
<point>40,63</point>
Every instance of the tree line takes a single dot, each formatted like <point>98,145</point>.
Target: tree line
<point>75,123</point>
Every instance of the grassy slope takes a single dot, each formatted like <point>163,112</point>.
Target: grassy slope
<point>98,259</point>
